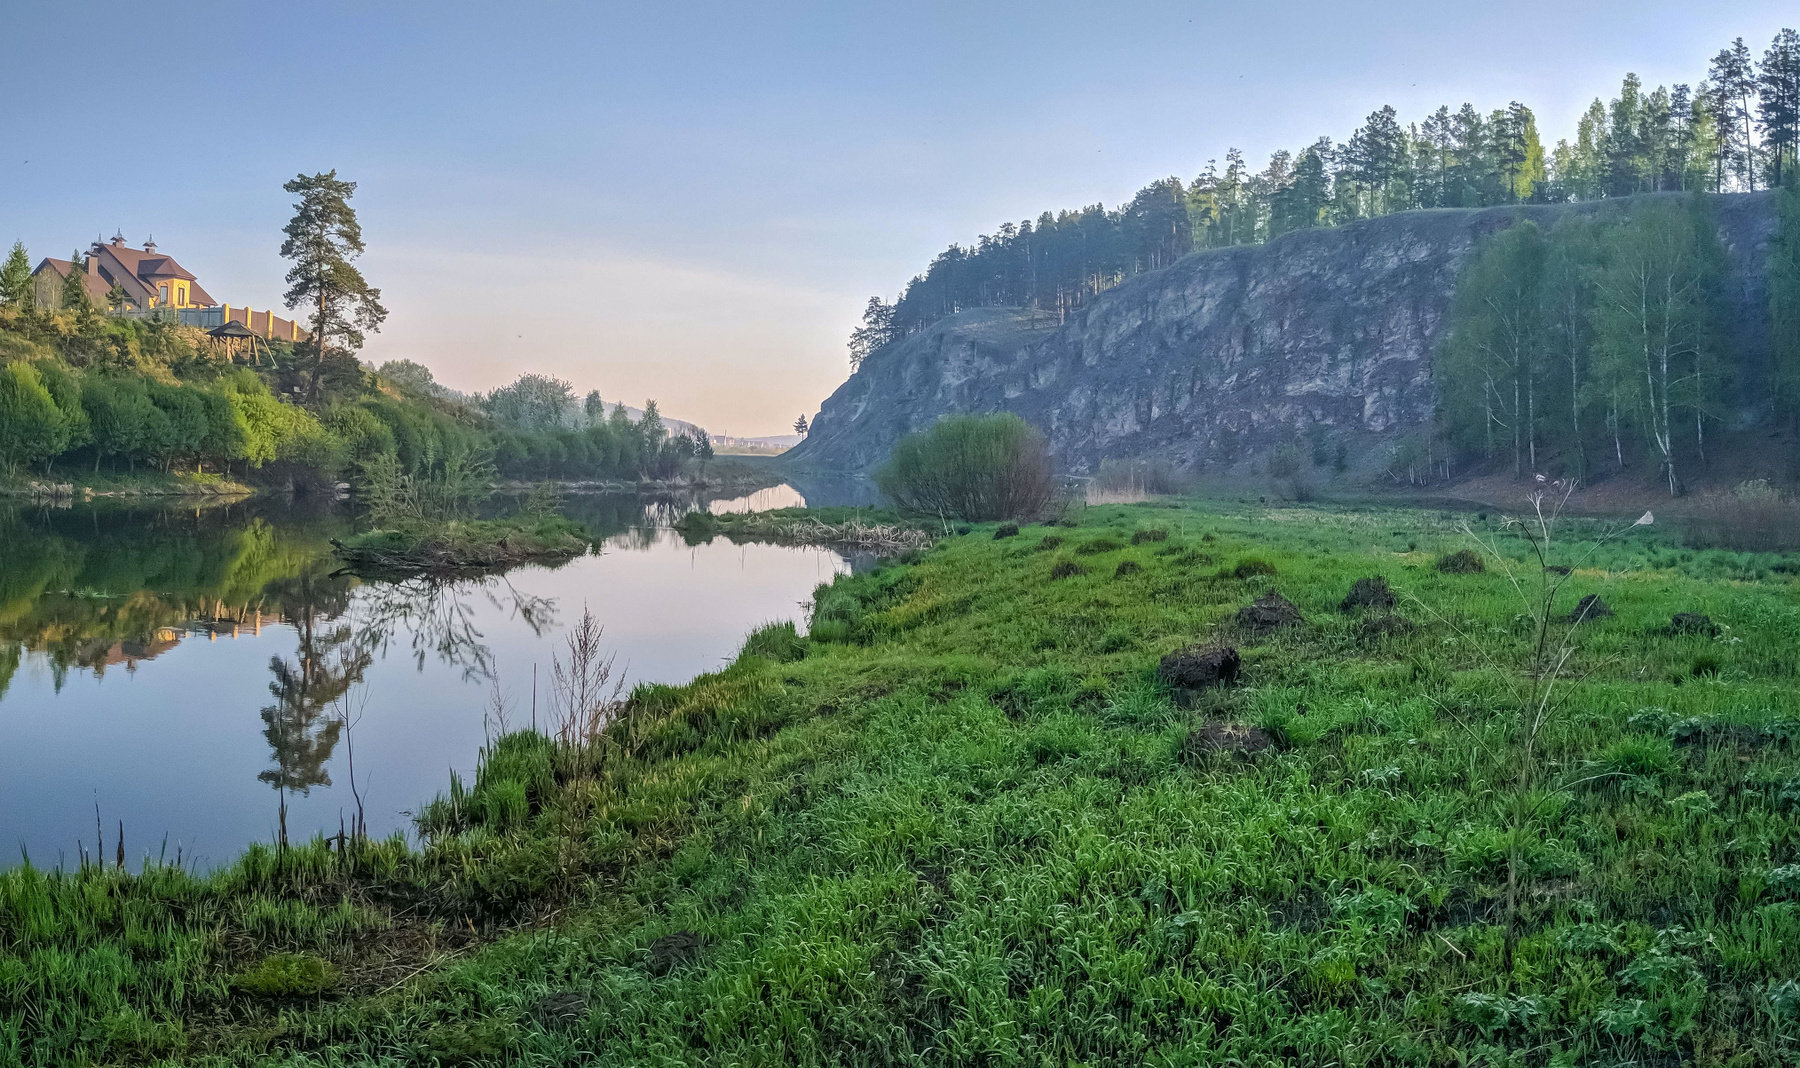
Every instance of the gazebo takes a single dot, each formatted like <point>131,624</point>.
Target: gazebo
<point>231,337</point>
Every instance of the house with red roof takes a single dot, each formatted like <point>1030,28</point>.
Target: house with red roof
<point>143,283</point>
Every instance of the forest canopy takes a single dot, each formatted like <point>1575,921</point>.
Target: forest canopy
<point>84,392</point>
<point>1737,129</point>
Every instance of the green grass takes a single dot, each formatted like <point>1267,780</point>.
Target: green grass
<point>960,823</point>
<point>462,544</point>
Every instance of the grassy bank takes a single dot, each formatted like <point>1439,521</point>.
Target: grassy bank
<point>967,821</point>
<point>146,484</point>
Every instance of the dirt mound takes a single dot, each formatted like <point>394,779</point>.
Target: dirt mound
<point>1251,566</point>
<point>1371,592</point>
<point>673,950</point>
<point>1226,739</point>
<point>1387,626</point>
<point>1461,562</point>
<point>1127,567</point>
<point>1268,613</point>
<point>1200,666</point>
<point>1151,534</point>
<point>1590,608</point>
<point>1006,530</point>
<point>1067,569</point>
<point>1692,623</point>
<point>562,1009</point>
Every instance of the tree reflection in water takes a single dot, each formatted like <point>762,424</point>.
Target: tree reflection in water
<point>309,716</point>
<point>299,726</point>
<point>438,617</point>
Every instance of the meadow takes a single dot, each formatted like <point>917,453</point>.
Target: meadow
<point>967,819</point>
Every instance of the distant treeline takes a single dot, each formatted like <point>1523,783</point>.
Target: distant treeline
<point>1598,342</point>
<point>81,391</point>
<point>1736,130</point>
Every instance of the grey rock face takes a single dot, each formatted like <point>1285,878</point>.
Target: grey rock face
<point>1319,335</point>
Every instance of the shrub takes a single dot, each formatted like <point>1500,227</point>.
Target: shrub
<point>974,467</point>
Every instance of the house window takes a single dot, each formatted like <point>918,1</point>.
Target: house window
<point>162,294</point>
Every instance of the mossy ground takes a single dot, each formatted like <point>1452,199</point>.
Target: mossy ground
<point>962,823</point>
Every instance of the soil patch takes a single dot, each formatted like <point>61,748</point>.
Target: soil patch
<point>565,1008</point>
<point>1200,666</point>
<point>1588,608</point>
<point>1234,740</point>
<point>1692,623</point>
<point>673,950</point>
<point>1371,592</point>
<point>1269,613</point>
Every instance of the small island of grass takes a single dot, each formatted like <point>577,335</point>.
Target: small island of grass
<point>422,523</point>
<point>464,545</point>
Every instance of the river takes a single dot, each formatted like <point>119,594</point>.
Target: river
<point>187,673</point>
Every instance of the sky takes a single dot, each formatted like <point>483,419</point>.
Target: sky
<point>693,201</point>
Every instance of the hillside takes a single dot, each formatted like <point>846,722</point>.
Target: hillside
<point>1323,334</point>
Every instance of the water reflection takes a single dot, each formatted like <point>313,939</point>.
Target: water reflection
<point>437,617</point>
<point>248,662</point>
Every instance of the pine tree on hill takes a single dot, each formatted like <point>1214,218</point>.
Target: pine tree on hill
<point>15,278</point>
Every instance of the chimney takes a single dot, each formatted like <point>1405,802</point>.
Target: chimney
<point>150,245</point>
<point>118,239</point>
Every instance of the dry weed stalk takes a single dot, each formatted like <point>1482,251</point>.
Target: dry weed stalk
<point>1537,697</point>
<point>583,703</point>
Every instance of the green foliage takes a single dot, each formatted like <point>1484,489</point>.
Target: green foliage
<point>1784,308</point>
<point>32,427</point>
<point>1575,343</point>
<point>974,467</point>
<point>322,241</point>
<point>446,490</point>
<point>15,278</point>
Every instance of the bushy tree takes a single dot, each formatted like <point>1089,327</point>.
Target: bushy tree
<point>975,467</point>
<point>532,403</point>
<point>32,428</point>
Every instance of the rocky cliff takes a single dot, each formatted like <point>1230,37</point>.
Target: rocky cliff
<point>1323,334</point>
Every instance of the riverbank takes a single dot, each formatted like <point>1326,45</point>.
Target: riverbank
<point>978,813</point>
<point>734,476</point>
<point>147,485</point>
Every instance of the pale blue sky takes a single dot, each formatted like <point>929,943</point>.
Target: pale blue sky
<point>692,201</point>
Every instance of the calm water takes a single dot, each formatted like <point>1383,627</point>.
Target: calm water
<point>182,670</point>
